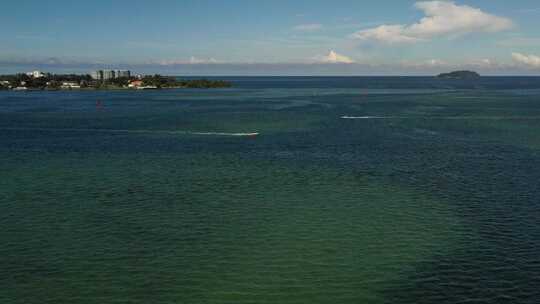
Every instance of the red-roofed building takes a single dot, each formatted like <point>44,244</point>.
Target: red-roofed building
<point>135,84</point>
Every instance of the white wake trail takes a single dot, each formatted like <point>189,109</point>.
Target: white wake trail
<point>170,132</point>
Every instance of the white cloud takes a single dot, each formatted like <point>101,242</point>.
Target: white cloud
<point>388,34</point>
<point>313,27</point>
<point>527,60</point>
<point>334,57</point>
<point>442,18</point>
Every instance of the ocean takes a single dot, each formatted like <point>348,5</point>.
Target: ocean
<point>278,190</point>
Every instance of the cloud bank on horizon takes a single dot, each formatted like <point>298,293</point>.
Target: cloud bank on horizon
<point>333,57</point>
<point>527,60</point>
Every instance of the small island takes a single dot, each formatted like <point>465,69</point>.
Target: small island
<point>459,75</point>
<point>102,80</point>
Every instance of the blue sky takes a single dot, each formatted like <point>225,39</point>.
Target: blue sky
<point>238,37</point>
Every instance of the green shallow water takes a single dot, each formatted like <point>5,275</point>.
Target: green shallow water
<point>206,228</point>
<point>149,200</point>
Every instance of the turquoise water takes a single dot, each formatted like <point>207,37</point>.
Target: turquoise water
<point>429,196</point>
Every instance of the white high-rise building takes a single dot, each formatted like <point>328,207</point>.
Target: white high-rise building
<point>35,74</point>
<point>97,75</point>
<point>110,74</point>
<point>123,74</point>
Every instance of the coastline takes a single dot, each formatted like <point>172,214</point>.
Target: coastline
<point>38,81</point>
<point>105,89</point>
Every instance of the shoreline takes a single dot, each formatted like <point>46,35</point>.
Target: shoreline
<point>59,82</point>
<point>107,89</point>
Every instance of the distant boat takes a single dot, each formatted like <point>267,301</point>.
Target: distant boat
<point>20,89</point>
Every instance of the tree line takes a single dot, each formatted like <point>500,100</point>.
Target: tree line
<point>55,81</point>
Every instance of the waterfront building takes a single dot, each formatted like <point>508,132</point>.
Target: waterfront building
<point>135,84</point>
<point>70,85</point>
<point>35,74</point>
<point>97,75</point>
<point>108,74</point>
<point>123,74</point>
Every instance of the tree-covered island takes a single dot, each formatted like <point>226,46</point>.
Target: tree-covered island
<point>459,75</point>
<point>20,82</point>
